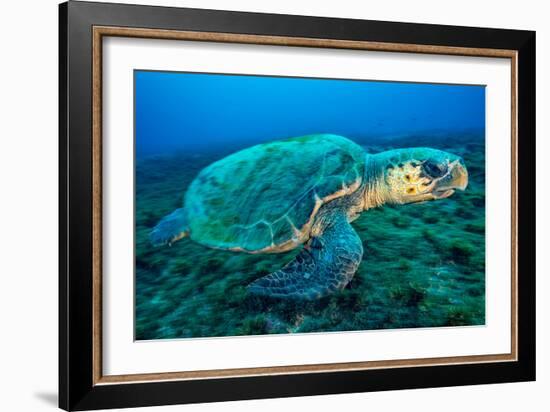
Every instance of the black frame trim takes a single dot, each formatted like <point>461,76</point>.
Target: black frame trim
<point>76,388</point>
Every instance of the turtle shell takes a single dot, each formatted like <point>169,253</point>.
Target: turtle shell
<point>264,198</point>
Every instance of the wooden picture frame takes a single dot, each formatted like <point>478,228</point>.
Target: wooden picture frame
<point>82,28</point>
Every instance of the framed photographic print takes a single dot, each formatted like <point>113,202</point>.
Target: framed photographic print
<point>256,205</point>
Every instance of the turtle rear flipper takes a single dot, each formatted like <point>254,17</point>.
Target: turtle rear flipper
<point>326,264</point>
<point>170,229</point>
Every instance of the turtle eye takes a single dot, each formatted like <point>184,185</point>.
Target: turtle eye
<point>433,168</point>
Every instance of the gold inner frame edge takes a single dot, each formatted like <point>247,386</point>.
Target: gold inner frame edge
<point>98,32</point>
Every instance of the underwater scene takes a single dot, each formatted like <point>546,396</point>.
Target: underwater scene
<point>271,205</point>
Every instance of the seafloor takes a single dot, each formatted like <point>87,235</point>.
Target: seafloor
<point>423,266</point>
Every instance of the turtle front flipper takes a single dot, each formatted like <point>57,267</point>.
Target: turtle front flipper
<point>170,229</point>
<point>326,264</point>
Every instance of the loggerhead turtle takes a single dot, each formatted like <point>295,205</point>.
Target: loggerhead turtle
<point>277,196</point>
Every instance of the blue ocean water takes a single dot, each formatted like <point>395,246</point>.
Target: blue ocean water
<point>424,264</point>
<point>193,111</point>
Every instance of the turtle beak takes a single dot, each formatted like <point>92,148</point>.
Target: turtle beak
<point>456,178</point>
<point>459,175</point>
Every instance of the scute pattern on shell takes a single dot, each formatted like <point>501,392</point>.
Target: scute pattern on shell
<point>264,198</point>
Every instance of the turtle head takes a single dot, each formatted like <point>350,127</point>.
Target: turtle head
<point>421,174</point>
